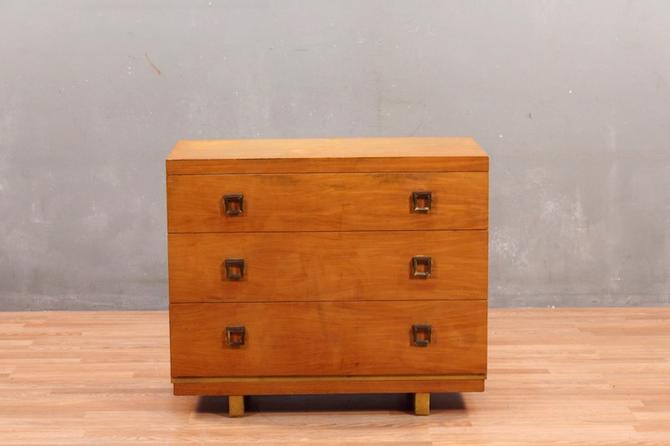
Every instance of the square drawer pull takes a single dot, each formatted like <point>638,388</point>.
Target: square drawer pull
<point>422,202</point>
<point>421,335</point>
<point>233,205</point>
<point>421,267</point>
<point>235,336</point>
<point>234,269</point>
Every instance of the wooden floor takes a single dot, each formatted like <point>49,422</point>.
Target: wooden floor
<point>563,376</point>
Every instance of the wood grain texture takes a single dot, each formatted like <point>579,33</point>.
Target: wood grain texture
<point>305,387</point>
<point>592,376</point>
<point>431,154</point>
<point>327,202</point>
<point>323,378</point>
<point>328,339</point>
<point>295,266</point>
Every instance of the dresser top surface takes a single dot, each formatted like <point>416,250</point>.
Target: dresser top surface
<point>327,155</point>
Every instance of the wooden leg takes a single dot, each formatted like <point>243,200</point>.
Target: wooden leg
<point>235,406</point>
<point>421,403</point>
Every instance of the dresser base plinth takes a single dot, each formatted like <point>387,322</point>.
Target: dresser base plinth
<point>421,388</point>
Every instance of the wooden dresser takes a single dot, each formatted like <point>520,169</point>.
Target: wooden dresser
<point>328,266</point>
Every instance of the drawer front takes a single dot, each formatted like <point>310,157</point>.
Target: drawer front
<point>328,338</point>
<point>326,202</point>
<point>387,265</point>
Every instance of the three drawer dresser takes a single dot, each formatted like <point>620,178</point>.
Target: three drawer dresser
<point>306,266</point>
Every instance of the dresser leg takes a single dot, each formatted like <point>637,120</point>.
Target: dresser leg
<point>235,406</point>
<point>421,403</point>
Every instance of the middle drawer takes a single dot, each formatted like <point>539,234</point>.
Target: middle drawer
<point>299,266</point>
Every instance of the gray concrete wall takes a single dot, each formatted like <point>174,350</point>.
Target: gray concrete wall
<point>571,99</point>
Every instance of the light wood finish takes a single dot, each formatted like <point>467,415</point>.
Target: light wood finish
<point>422,404</point>
<point>328,266</point>
<point>327,202</point>
<point>317,272</point>
<point>556,377</point>
<point>235,406</point>
<point>328,339</point>
<point>432,154</point>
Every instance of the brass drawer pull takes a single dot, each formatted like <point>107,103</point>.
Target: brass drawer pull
<point>422,202</point>
<point>234,269</point>
<point>233,204</point>
<point>421,267</point>
<point>421,335</point>
<point>235,336</point>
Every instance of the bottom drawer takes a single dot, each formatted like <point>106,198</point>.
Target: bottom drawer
<point>328,338</point>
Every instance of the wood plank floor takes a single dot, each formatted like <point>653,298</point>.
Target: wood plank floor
<point>556,376</point>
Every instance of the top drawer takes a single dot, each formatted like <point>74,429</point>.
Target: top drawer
<point>327,202</point>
